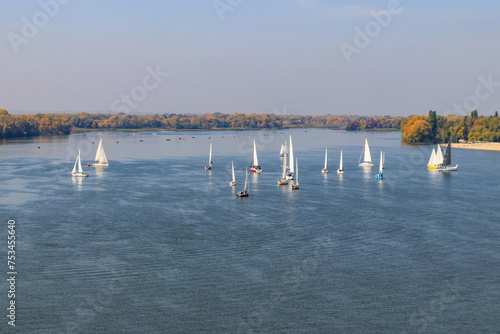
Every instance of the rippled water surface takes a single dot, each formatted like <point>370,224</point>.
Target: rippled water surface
<point>156,244</point>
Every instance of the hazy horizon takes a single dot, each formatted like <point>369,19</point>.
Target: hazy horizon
<point>300,57</point>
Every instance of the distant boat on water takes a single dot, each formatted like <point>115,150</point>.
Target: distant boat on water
<point>295,185</point>
<point>367,158</point>
<point>446,166</point>
<point>254,167</point>
<point>209,166</point>
<point>100,157</point>
<point>341,165</point>
<point>233,181</point>
<point>380,175</point>
<point>291,169</point>
<point>77,168</point>
<point>325,169</point>
<point>244,192</point>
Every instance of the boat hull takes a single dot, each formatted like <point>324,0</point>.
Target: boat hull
<point>79,174</point>
<point>100,164</point>
<point>209,167</point>
<point>432,167</point>
<point>366,164</point>
<point>324,171</point>
<point>282,182</point>
<point>256,169</point>
<point>295,186</point>
<point>448,168</point>
<point>232,183</point>
<point>243,193</point>
<point>340,171</point>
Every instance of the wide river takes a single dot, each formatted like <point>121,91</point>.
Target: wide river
<point>156,244</point>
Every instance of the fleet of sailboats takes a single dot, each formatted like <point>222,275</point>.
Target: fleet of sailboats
<point>233,181</point>
<point>255,168</point>
<point>209,166</point>
<point>367,158</point>
<point>77,168</point>
<point>325,169</point>
<point>100,157</point>
<point>341,165</point>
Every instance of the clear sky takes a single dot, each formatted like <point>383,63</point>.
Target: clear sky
<point>304,57</point>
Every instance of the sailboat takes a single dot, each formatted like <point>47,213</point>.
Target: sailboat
<point>209,166</point>
<point>446,166</point>
<point>383,162</point>
<point>295,185</point>
<point>290,174</point>
<point>325,170</point>
<point>436,158</point>
<point>254,167</point>
<point>283,180</point>
<point>380,175</point>
<point>341,165</point>
<point>77,168</point>
<point>100,157</point>
<point>367,158</point>
<point>233,182</point>
<point>244,192</point>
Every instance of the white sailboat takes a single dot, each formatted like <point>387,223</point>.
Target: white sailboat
<point>446,165</point>
<point>255,168</point>
<point>367,158</point>
<point>244,192</point>
<point>380,175</point>
<point>341,165</point>
<point>233,182</point>
<point>290,174</point>
<point>436,158</point>
<point>209,166</point>
<point>77,168</point>
<point>283,180</point>
<point>295,185</point>
<point>100,157</point>
<point>325,170</point>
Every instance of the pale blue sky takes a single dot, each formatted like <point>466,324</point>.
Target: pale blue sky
<point>264,56</point>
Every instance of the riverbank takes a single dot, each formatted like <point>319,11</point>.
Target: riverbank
<point>478,146</point>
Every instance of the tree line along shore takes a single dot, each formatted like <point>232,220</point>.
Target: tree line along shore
<point>432,128</point>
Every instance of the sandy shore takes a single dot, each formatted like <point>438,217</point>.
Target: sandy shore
<point>478,146</point>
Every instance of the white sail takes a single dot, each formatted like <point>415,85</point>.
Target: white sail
<point>246,179</point>
<point>232,166</point>
<point>210,156</point>
<point>326,157</point>
<point>255,160</point>
<point>282,150</point>
<point>100,156</point>
<point>432,159</point>
<point>284,168</point>
<point>439,155</point>
<point>381,163</point>
<point>367,157</point>
<point>76,163</point>
<point>80,170</point>
<point>292,169</point>
<point>341,163</point>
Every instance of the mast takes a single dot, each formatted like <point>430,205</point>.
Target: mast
<point>292,169</point>
<point>368,157</point>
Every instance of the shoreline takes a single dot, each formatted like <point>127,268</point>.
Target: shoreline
<point>478,146</point>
